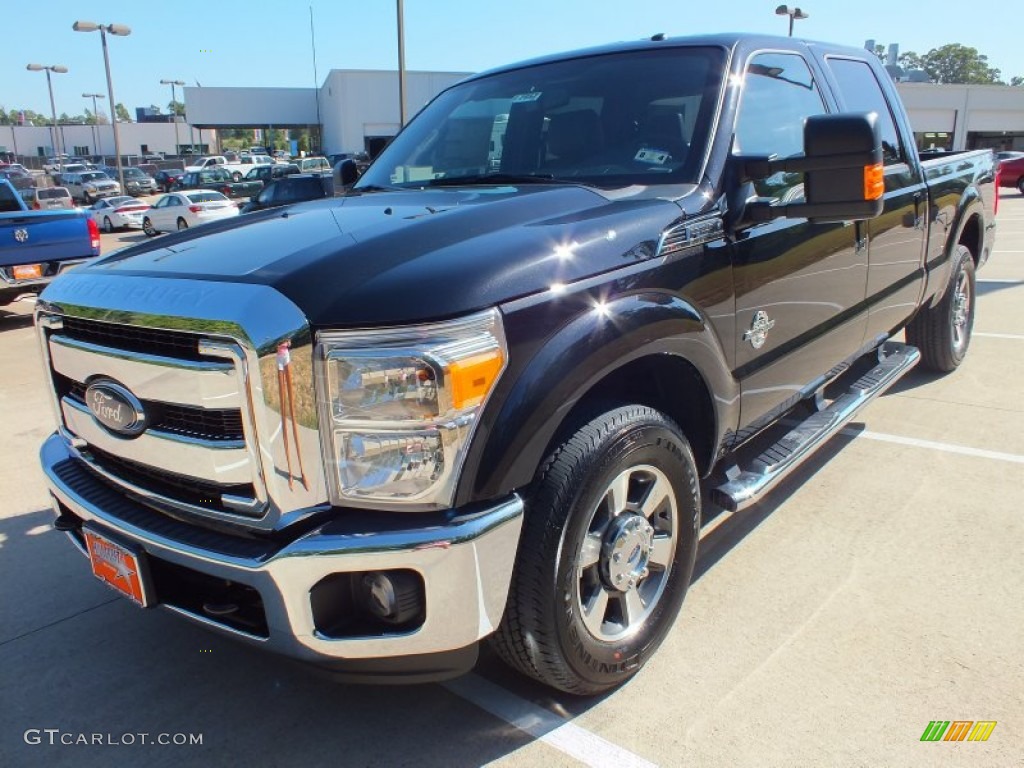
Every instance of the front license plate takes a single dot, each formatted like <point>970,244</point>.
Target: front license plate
<point>27,271</point>
<point>118,566</point>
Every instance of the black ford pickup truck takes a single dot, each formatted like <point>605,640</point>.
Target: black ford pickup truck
<point>487,391</point>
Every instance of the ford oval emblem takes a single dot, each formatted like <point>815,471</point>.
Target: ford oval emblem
<point>115,408</point>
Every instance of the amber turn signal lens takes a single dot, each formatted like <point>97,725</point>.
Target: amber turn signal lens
<point>874,181</point>
<point>472,378</point>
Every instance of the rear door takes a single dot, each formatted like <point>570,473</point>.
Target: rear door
<point>897,239</point>
<point>800,286</point>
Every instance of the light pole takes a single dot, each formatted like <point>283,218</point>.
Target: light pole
<point>53,108</point>
<point>795,13</point>
<point>121,31</point>
<point>174,115</point>
<point>95,119</point>
<point>401,65</point>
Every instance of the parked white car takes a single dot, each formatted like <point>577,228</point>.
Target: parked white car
<point>187,208</point>
<point>121,212</point>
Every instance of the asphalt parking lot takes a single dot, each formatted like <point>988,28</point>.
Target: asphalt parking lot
<point>879,589</point>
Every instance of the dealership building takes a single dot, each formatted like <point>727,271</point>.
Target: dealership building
<point>358,110</point>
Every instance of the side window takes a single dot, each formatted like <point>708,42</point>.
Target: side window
<point>859,91</point>
<point>779,94</point>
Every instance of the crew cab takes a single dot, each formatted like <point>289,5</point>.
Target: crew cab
<point>205,163</point>
<point>486,392</point>
<point>221,180</point>
<point>38,245</point>
<point>246,163</point>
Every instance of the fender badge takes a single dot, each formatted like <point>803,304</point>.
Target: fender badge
<point>21,235</point>
<point>758,333</point>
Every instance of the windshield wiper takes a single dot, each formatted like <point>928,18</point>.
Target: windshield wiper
<point>494,178</point>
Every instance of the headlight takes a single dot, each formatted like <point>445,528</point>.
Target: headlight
<point>398,408</point>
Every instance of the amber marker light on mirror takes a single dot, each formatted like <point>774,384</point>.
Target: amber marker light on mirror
<point>874,181</point>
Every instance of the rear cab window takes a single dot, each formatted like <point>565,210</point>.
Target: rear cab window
<point>860,91</point>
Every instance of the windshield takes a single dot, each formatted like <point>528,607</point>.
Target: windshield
<point>638,117</point>
<point>206,197</point>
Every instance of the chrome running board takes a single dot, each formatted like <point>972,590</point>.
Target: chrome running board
<point>744,487</point>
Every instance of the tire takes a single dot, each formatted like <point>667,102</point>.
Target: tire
<point>568,619</point>
<point>147,227</point>
<point>108,226</point>
<point>1020,185</point>
<point>182,224</point>
<point>943,332</point>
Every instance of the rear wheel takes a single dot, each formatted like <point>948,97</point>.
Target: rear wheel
<point>182,224</point>
<point>108,226</point>
<point>606,555</point>
<point>943,332</point>
<point>147,227</point>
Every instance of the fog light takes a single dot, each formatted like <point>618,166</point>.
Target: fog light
<point>392,596</point>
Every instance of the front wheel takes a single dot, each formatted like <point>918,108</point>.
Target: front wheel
<point>147,227</point>
<point>607,552</point>
<point>943,332</point>
<point>182,224</point>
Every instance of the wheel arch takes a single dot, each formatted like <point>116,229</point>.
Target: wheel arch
<point>649,349</point>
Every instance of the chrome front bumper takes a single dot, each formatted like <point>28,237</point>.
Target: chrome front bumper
<point>466,565</point>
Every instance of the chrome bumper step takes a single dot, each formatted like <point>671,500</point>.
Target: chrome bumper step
<point>745,486</point>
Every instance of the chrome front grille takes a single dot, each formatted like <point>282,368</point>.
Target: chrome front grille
<point>198,423</point>
<point>213,445</point>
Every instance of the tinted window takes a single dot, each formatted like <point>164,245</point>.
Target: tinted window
<point>206,197</point>
<point>610,120</point>
<point>779,94</point>
<point>860,92</point>
<point>9,201</point>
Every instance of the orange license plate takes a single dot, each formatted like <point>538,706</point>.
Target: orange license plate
<point>118,566</point>
<point>27,271</point>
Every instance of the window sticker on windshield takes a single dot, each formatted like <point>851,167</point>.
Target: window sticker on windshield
<point>522,98</point>
<point>656,156</point>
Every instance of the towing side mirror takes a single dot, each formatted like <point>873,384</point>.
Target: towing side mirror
<point>844,178</point>
<point>347,173</point>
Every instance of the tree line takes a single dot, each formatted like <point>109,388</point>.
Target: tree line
<point>11,116</point>
<point>953,63</point>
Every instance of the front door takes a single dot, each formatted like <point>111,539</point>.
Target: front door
<point>800,287</point>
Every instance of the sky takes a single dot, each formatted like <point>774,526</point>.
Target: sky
<point>258,43</point>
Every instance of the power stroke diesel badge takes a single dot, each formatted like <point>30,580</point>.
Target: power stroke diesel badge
<point>115,408</point>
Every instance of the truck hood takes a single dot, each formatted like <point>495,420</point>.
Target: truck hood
<point>405,256</point>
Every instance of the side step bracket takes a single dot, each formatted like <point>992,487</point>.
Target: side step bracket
<point>746,486</point>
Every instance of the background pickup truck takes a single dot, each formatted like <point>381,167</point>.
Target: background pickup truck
<point>489,390</point>
<point>219,179</point>
<point>36,246</point>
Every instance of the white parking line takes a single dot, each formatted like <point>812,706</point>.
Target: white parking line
<point>1000,335</point>
<point>964,450</point>
<point>1010,280</point>
<point>588,748</point>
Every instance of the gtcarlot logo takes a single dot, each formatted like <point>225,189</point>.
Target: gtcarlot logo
<point>55,736</point>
